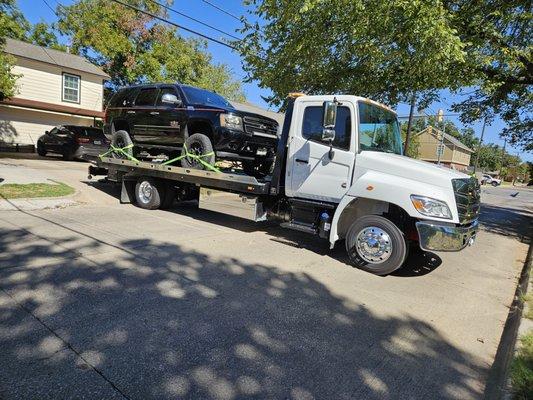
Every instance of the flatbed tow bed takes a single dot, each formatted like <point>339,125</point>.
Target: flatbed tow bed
<point>120,170</point>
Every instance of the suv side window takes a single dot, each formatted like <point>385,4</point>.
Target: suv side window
<point>123,98</point>
<point>163,91</point>
<point>146,97</point>
<point>312,126</point>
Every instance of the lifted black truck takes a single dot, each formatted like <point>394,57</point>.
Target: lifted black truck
<point>339,174</point>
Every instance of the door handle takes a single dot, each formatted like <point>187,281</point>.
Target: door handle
<point>130,112</point>
<point>343,185</point>
<point>154,113</point>
<point>299,160</point>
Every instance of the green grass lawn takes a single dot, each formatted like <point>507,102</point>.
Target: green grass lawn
<point>31,190</point>
<point>522,369</point>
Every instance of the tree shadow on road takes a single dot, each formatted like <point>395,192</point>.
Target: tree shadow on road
<point>506,221</point>
<point>152,320</point>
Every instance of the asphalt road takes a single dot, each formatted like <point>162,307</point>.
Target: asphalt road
<point>104,301</point>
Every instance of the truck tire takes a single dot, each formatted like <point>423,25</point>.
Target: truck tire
<point>121,139</point>
<point>41,149</point>
<point>198,144</point>
<point>376,245</point>
<point>149,193</point>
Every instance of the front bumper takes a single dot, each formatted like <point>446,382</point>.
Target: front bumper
<point>439,237</point>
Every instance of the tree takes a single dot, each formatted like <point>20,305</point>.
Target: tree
<point>392,50</point>
<point>133,47</point>
<point>497,37</point>
<point>386,50</point>
<point>414,143</point>
<point>13,25</point>
<point>43,34</point>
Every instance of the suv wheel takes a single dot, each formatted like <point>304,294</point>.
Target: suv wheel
<point>121,139</point>
<point>199,145</point>
<point>494,183</point>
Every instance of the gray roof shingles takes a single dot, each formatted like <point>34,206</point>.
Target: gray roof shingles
<point>50,56</point>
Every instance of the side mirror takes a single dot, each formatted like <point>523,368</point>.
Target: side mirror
<point>329,119</point>
<point>169,98</point>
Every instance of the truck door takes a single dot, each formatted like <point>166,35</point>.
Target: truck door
<point>172,118</point>
<point>311,173</point>
<point>144,116</point>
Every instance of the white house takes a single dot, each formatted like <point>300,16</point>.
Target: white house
<point>54,88</point>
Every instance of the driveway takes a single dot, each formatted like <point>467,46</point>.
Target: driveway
<point>103,301</point>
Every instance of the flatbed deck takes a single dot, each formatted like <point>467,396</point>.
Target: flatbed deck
<point>221,180</point>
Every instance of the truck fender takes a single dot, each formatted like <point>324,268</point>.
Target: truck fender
<point>373,191</point>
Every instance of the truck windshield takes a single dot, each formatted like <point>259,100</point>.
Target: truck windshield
<point>378,129</point>
<point>204,97</point>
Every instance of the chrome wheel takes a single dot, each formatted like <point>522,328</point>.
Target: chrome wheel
<point>373,245</point>
<point>145,192</point>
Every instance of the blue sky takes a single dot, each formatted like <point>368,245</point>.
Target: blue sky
<point>36,10</point>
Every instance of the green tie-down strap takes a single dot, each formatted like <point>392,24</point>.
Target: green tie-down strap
<point>196,157</point>
<point>120,150</point>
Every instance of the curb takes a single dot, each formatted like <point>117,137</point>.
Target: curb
<point>497,383</point>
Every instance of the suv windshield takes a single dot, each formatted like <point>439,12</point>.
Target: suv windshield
<point>378,129</point>
<point>205,97</point>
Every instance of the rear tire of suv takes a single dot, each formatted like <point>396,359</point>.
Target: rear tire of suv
<point>200,145</point>
<point>41,149</point>
<point>494,184</point>
<point>121,139</point>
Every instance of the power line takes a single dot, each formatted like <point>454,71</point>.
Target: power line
<point>48,5</point>
<point>194,19</point>
<point>174,24</point>
<point>222,10</point>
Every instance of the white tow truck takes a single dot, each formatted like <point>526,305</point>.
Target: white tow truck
<point>339,174</point>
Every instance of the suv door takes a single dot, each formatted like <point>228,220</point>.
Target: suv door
<point>313,175</point>
<point>145,116</point>
<point>172,118</point>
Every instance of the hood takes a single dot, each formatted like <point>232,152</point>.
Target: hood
<point>405,167</point>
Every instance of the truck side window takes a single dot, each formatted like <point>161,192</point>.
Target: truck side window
<point>146,97</point>
<point>312,126</point>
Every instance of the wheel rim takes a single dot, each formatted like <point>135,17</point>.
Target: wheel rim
<point>145,192</point>
<point>196,149</point>
<point>373,245</point>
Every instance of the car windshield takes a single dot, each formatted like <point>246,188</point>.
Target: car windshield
<point>204,97</point>
<point>378,129</point>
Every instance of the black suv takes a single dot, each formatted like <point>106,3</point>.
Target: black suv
<point>173,119</point>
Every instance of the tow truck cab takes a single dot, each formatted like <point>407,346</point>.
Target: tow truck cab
<point>339,173</point>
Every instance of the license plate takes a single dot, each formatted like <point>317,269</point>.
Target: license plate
<point>261,152</point>
<point>97,142</point>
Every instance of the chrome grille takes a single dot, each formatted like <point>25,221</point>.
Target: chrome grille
<point>467,197</point>
<point>260,127</point>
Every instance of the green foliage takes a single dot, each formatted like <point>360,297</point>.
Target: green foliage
<point>135,48</point>
<point>12,21</point>
<point>383,49</point>
<point>497,36</point>
<point>522,369</point>
<point>43,34</point>
<point>390,50</point>
<point>32,190</point>
<point>414,141</point>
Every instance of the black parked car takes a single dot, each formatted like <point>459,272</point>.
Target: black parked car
<point>73,141</point>
<point>167,118</point>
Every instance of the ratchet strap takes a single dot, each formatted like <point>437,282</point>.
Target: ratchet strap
<point>196,157</point>
<point>122,151</point>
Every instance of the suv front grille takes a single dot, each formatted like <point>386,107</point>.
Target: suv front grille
<point>260,127</point>
<point>467,198</point>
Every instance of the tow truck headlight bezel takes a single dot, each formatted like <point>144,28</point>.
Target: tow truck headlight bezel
<point>231,121</point>
<point>431,207</point>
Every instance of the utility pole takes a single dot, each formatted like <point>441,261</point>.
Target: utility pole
<point>480,144</point>
<point>503,156</point>
<point>409,124</point>
<point>440,148</point>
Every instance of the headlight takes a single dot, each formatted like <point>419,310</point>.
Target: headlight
<point>431,207</point>
<point>231,121</point>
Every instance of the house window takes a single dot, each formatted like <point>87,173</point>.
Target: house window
<point>71,88</point>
